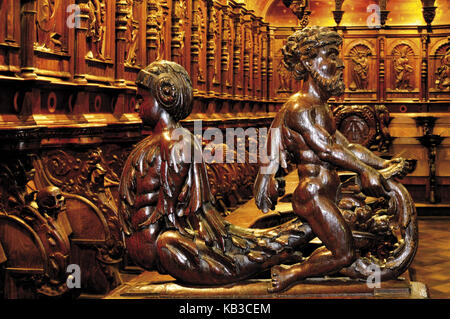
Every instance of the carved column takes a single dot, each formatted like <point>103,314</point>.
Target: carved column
<point>80,44</point>
<point>152,31</point>
<point>247,33</point>
<point>264,62</point>
<point>256,85</point>
<point>211,45</point>
<point>121,28</point>
<point>28,13</point>
<point>195,42</point>
<point>237,59</point>
<point>178,34</point>
<point>431,142</point>
<point>381,66</point>
<point>271,41</point>
<point>225,52</point>
<point>424,69</point>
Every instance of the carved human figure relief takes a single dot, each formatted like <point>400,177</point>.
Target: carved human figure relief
<point>47,37</point>
<point>403,70</point>
<point>443,72</point>
<point>96,29</point>
<point>359,67</point>
<point>131,34</point>
<point>284,78</point>
<point>200,21</point>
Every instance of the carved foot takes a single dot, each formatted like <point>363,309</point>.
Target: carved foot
<point>282,278</point>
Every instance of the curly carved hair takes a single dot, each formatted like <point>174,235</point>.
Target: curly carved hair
<point>170,84</point>
<point>303,45</point>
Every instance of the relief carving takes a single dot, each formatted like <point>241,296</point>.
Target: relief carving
<point>443,72</point>
<point>47,37</point>
<point>131,33</point>
<point>33,227</point>
<point>403,70</point>
<point>160,16</point>
<point>178,29</point>
<point>96,29</point>
<point>360,67</point>
<point>199,20</point>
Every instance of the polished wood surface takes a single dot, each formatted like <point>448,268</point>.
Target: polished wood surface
<point>432,262</point>
<point>68,94</point>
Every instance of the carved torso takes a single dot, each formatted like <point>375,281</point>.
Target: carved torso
<point>293,141</point>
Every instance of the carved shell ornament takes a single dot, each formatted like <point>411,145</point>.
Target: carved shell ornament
<point>170,85</point>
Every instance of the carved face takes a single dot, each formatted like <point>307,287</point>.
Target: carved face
<point>51,200</point>
<point>148,108</point>
<point>326,68</point>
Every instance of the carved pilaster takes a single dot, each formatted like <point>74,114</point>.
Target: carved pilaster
<point>225,52</point>
<point>197,20</point>
<point>256,86</point>
<point>80,44</point>
<point>271,41</point>
<point>264,62</point>
<point>121,28</point>
<point>248,39</point>
<point>211,44</point>
<point>424,68</point>
<point>237,51</point>
<point>381,69</point>
<point>28,38</point>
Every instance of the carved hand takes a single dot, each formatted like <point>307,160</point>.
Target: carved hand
<point>397,167</point>
<point>373,183</point>
<point>266,192</point>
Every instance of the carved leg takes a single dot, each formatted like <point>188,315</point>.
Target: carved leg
<point>328,224</point>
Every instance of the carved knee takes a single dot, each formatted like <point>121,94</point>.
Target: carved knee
<point>346,258</point>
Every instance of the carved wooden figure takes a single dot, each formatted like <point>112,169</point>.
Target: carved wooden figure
<point>166,205</point>
<point>304,132</point>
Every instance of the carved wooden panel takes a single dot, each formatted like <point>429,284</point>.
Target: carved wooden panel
<point>439,70</point>
<point>360,60</point>
<point>402,71</point>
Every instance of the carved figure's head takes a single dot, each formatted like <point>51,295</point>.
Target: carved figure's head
<point>169,84</point>
<point>50,200</point>
<point>314,51</point>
